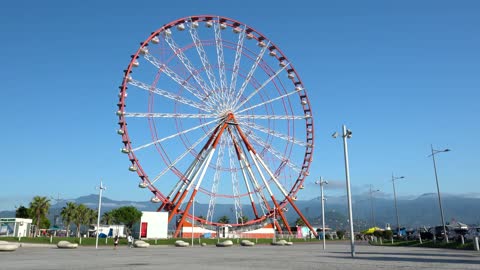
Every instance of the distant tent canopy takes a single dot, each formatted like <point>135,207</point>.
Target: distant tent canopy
<point>372,230</point>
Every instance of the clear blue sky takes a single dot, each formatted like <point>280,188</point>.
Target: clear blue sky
<point>400,74</point>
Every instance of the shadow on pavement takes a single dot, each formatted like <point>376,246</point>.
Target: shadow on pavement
<point>411,259</point>
<point>421,254</point>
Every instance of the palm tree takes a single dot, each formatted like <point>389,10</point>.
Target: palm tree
<point>107,218</point>
<point>242,219</point>
<point>300,222</point>
<point>39,209</point>
<point>92,216</point>
<point>68,214</point>
<point>81,215</point>
<point>224,220</point>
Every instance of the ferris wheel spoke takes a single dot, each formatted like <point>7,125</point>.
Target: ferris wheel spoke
<point>169,95</point>
<point>236,63</point>
<point>267,102</point>
<point>170,115</point>
<point>203,55</point>
<point>173,135</point>
<point>272,150</point>
<point>271,117</point>
<point>177,78</point>
<point>221,66</point>
<point>186,62</point>
<point>273,133</point>
<point>261,87</point>
<point>171,165</point>
<point>249,75</point>
<point>272,176</point>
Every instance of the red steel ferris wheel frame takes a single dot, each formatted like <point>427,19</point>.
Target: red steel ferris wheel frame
<point>167,203</point>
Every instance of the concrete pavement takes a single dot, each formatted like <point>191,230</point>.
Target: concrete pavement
<point>299,256</point>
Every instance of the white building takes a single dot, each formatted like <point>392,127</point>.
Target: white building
<point>152,225</point>
<point>16,227</point>
<point>108,230</point>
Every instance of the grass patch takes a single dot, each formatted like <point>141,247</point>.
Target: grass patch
<point>427,244</point>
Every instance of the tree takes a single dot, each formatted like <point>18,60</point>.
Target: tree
<point>107,218</point>
<point>127,215</point>
<point>80,217</point>
<point>44,222</point>
<point>92,216</point>
<point>340,234</point>
<point>68,214</point>
<point>224,220</point>
<point>300,222</point>
<point>22,212</point>
<point>39,209</point>
<point>242,219</point>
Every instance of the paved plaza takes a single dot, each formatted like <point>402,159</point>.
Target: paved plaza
<point>299,256</point>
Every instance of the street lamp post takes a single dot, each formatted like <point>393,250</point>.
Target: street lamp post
<point>193,218</point>
<point>434,152</point>
<point>321,183</point>
<point>395,200</point>
<point>101,188</point>
<point>371,204</point>
<point>347,134</point>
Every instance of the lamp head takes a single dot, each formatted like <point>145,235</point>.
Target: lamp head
<point>335,135</point>
<point>349,134</point>
<point>447,150</point>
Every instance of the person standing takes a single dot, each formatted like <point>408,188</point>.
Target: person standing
<point>130,240</point>
<point>115,242</point>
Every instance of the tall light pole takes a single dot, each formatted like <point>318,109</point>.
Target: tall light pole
<point>371,204</point>
<point>321,183</point>
<point>347,134</point>
<point>193,218</point>
<point>395,200</point>
<point>101,188</point>
<point>434,152</point>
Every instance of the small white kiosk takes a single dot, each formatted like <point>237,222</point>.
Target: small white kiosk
<point>15,227</point>
<point>152,225</point>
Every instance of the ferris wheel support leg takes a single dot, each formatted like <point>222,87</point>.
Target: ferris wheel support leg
<point>168,205</point>
<point>194,192</point>
<point>254,209</point>
<point>185,213</point>
<point>181,184</point>
<point>209,148</point>
<point>277,225</point>
<point>176,203</point>
<point>301,216</point>
<point>277,206</point>
<point>282,216</point>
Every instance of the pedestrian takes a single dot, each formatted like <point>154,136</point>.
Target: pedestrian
<point>130,240</point>
<point>115,242</point>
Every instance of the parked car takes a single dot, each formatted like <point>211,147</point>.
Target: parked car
<point>425,233</point>
<point>472,232</point>
<point>438,232</point>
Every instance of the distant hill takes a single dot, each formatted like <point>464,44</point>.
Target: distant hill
<point>420,211</point>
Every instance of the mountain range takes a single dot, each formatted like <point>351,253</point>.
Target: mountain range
<point>420,211</point>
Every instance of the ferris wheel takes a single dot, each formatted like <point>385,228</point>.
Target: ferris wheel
<point>216,114</point>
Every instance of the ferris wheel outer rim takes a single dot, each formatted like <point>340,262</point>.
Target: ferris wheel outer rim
<point>309,123</point>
